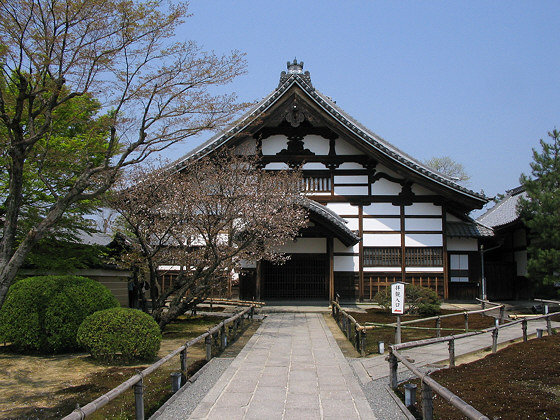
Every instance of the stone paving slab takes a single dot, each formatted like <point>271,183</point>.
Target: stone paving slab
<point>292,368</point>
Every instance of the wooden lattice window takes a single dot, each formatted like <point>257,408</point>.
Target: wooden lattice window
<point>382,256</point>
<point>316,184</point>
<point>424,257</point>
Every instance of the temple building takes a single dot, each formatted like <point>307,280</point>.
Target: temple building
<point>376,215</point>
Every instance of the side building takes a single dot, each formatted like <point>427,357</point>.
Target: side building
<point>377,215</point>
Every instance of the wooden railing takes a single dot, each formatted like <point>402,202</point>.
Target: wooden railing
<point>357,333</point>
<point>429,385</point>
<point>137,381</point>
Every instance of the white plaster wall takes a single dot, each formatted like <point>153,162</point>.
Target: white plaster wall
<point>346,263</point>
<point>342,147</point>
<point>351,190</point>
<point>423,239</point>
<point>382,209</point>
<point>314,165</point>
<point>385,187</point>
<point>305,246</point>
<point>350,179</point>
<point>382,269</point>
<point>277,166</point>
<point>274,144</point>
<point>353,223</point>
<point>389,239</point>
<point>340,247</point>
<point>521,262</point>
<point>423,224</point>
<point>350,165</point>
<point>424,269</point>
<point>343,208</point>
<point>387,171</point>
<point>420,190</point>
<point>462,244</point>
<point>393,225</point>
<point>316,144</point>
<point>422,209</point>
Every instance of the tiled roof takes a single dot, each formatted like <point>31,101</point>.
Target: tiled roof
<point>468,230</point>
<point>336,223</point>
<point>370,138</point>
<point>505,211</point>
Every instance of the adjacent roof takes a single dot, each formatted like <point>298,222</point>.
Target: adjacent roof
<point>468,230</point>
<point>505,211</point>
<point>332,221</point>
<point>295,77</point>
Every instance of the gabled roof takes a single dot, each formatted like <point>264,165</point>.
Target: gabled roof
<point>296,79</point>
<point>468,230</point>
<point>505,211</point>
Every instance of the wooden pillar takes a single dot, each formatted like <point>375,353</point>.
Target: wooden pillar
<point>445,256</point>
<point>330,256</point>
<point>403,246</point>
<point>258,280</point>
<point>361,253</point>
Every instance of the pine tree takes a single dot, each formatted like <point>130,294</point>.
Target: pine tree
<point>541,211</point>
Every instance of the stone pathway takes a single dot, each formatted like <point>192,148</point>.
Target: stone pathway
<point>291,368</point>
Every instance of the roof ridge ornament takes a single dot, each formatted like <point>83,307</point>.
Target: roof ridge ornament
<point>295,68</point>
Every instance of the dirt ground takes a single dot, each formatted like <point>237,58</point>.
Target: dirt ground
<point>521,381</point>
<point>45,387</point>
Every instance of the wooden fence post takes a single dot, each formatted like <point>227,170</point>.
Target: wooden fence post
<point>363,342</point>
<point>466,322</point>
<point>524,329</point>
<point>438,327</point>
<point>184,367</point>
<point>139,399</point>
<point>494,340</point>
<point>393,366</point>
<point>208,342</point>
<point>451,352</point>
<point>548,326</point>
<point>223,336</point>
<point>427,402</point>
<point>502,310</point>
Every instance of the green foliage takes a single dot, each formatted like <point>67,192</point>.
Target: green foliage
<point>44,313</point>
<point>418,300</point>
<point>541,212</point>
<point>59,256</point>
<point>120,332</point>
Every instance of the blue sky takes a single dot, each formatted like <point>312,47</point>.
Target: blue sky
<point>475,80</point>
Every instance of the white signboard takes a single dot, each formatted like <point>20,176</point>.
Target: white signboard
<point>397,298</point>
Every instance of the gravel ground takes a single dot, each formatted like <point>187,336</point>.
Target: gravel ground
<point>183,403</point>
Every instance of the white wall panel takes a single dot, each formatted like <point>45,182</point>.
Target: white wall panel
<point>350,165</point>
<point>350,179</point>
<point>353,223</point>
<point>420,190</point>
<point>462,244</point>
<point>306,246</point>
<point>317,144</point>
<point>274,144</point>
<point>351,190</point>
<point>423,224</point>
<point>423,239</point>
<point>382,270</point>
<point>383,224</point>
<point>385,187</point>
<point>340,247</point>
<point>424,269</point>
<point>389,239</point>
<point>387,171</point>
<point>343,208</point>
<point>342,147</point>
<point>422,209</point>
<point>382,209</point>
<point>314,165</point>
<point>276,166</point>
<point>346,263</point>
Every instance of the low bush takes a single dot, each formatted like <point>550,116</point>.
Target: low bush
<point>120,333</point>
<point>418,300</point>
<point>44,313</point>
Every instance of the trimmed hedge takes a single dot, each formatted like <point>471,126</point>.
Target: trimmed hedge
<point>44,313</point>
<point>418,300</point>
<point>120,333</point>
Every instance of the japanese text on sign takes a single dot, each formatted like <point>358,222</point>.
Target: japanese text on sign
<point>397,298</point>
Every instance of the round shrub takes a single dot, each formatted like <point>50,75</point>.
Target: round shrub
<point>120,333</point>
<point>44,313</point>
<point>418,300</point>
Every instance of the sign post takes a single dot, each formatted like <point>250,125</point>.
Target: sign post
<point>397,306</point>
